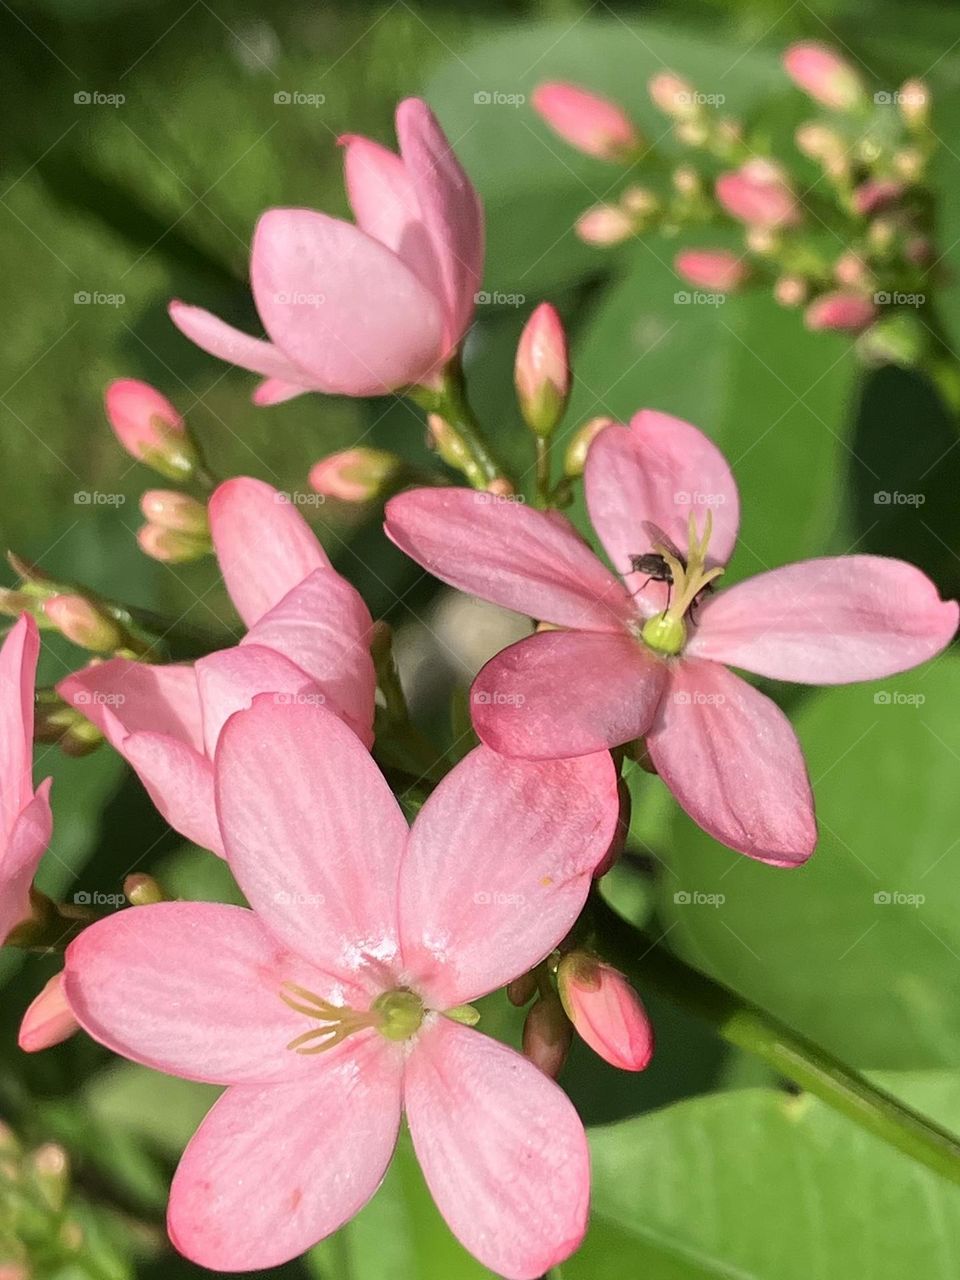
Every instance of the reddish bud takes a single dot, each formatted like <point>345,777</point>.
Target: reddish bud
<point>547,1036</point>
<point>759,195</point>
<point>83,623</point>
<point>821,72</point>
<point>876,194</point>
<point>172,510</point>
<point>355,475</point>
<point>844,311</point>
<point>711,269</point>
<point>522,990</point>
<point>149,428</point>
<point>48,1020</point>
<point>605,1010</point>
<point>542,370</point>
<point>592,124</point>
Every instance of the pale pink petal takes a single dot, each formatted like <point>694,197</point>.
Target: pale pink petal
<point>276,391</point>
<point>565,693</point>
<point>263,544</point>
<point>508,553</point>
<point>313,833</point>
<point>662,471</point>
<point>733,762</point>
<point>49,1019</point>
<point>828,621</point>
<point>324,627</point>
<point>193,989</point>
<point>502,1149</point>
<point>179,781</point>
<point>273,1170</point>
<point>226,343</point>
<point>341,305</point>
<point>498,867</point>
<point>18,667</point>
<point>385,206</point>
<point>122,697</point>
<point>25,846</point>
<point>451,210</point>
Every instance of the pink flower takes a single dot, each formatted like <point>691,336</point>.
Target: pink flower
<point>356,475</point>
<point>846,311</point>
<point>307,640</point>
<point>876,194</point>
<point>605,1010</point>
<point>821,72</point>
<point>26,822</point>
<point>625,666</point>
<point>712,268</point>
<point>758,194</point>
<point>589,122</point>
<point>150,428</point>
<point>368,308</point>
<point>49,1020</point>
<point>362,937</point>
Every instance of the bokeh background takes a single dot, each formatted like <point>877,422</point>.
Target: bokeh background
<point>705,1167</point>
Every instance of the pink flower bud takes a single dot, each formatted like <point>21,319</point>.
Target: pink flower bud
<point>575,459</point>
<point>83,623</point>
<point>49,1019</point>
<point>149,428</point>
<point>820,72</point>
<point>876,194</point>
<point>759,195</point>
<point>355,475</point>
<point>170,546</point>
<point>142,890</point>
<point>914,102</point>
<point>592,124</point>
<point>844,311</point>
<point>790,291</point>
<point>851,270</point>
<point>673,95</point>
<point>547,1036</point>
<point>172,510</point>
<point>542,370</point>
<point>711,269</point>
<point>604,224</point>
<point>605,1010</point>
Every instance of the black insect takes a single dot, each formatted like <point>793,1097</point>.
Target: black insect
<point>654,563</point>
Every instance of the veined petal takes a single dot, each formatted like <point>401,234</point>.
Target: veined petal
<point>566,693</point>
<point>508,553</point>
<point>18,668</point>
<point>498,867</point>
<point>122,697</point>
<point>828,621</point>
<point>225,342</point>
<point>264,546</point>
<point>501,1147</point>
<point>733,762</point>
<point>179,781</point>
<point>273,1170</point>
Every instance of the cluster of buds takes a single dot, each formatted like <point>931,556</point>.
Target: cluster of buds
<point>870,152</point>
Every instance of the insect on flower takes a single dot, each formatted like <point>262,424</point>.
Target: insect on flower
<point>656,563</point>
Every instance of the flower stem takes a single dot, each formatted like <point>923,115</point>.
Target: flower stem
<point>467,450</point>
<point>750,1028</point>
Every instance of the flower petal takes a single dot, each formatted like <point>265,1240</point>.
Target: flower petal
<point>828,621</point>
<point>18,668</point>
<point>324,627</point>
<point>502,1149</point>
<point>662,471</point>
<point>312,833</point>
<point>48,1020</point>
<point>498,867</point>
<point>273,1170</point>
<point>450,207</point>
<point>122,697</point>
<point>566,693</point>
<point>732,760</point>
<point>263,544</point>
<point>276,391</point>
<point>25,847</point>
<point>179,781</point>
<point>222,340</point>
<point>509,554</point>
<point>193,989</point>
<point>342,305</point>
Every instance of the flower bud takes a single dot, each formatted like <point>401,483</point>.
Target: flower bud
<point>142,890</point>
<point>575,459</point>
<point>604,224</point>
<point>846,312</point>
<point>150,429</point>
<point>821,72</point>
<point>909,164</point>
<point>542,370</point>
<point>356,475</point>
<point>639,201</point>
<point>522,990</point>
<point>50,1171</point>
<point>894,339</point>
<point>177,511</point>
<point>876,194</point>
<point>49,1019</point>
<point>711,269</point>
<point>673,95</point>
<point>851,270</point>
<point>914,102</point>
<point>547,1036</point>
<point>687,181</point>
<point>819,142</point>
<point>83,623</point>
<point>605,1010</point>
<point>170,546</point>
<point>758,194</point>
<point>591,123</point>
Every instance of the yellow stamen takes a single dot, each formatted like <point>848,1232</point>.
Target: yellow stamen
<point>667,632</point>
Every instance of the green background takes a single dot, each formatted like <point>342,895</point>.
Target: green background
<point>704,1167</point>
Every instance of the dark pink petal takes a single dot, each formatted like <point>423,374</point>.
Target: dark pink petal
<point>324,627</point>
<point>522,559</point>
<point>732,760</point>
<point>193,989</point>
<point>226,343</point>
<point>49,1019</point>
<point>498,867</point>
<point>829,621</point>
<point>179,781</point>
<point>122,697</point>
<point>18,667</point>
<point>661,470</point>
<point>341,305</point>
<point>567,693</point>
<point>25,846</point>
<point>273,1170</point>
<point>276,391</point>
<point>312,833</point>
<point>263,544</point>
<point>501,1147</point>
<point>451,210</point>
